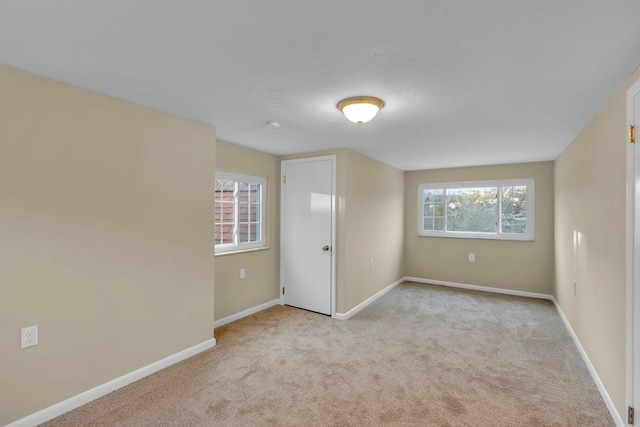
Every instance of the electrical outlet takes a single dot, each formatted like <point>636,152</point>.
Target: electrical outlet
<point>242,273</point>
<point>29,336</point>
<point>472,257</point>
<point>575,287</point>
<point>371,264</point>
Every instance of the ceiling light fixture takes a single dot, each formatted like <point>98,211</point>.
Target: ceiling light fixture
<point>360,109</point>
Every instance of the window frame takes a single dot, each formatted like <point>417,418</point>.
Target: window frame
<point>236,246</point>
<point>498,235</point>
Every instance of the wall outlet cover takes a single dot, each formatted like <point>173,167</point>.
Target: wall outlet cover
<point>29,336</point>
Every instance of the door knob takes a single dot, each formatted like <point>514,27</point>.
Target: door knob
<point>325,248</point>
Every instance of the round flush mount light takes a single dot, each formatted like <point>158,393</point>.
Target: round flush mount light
<point>360,109</point>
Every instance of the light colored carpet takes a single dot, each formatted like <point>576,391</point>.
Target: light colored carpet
<point>421,355</point>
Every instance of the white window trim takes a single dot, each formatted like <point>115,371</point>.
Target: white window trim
<point>227,248</point>
<point>528,182</point>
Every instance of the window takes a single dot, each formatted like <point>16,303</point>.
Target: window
<point>478,209</point>
<point>239,212</point>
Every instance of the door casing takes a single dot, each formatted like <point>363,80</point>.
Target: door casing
<point>633,257</point>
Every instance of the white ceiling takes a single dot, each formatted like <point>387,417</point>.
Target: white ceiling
<point>465,82</point>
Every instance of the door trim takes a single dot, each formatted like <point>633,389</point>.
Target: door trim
<point>632,262</point>
<point>334,199</point>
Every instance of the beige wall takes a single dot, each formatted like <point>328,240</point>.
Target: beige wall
<point>106,238</point>
<point>590,240</point>
<point>515,265</point>
<point>373,228</point>
<point>262,269</point>
<point>370,212</point>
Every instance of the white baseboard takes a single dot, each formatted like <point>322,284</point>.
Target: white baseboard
<point>603,391</point>
<point>363,304</point>
<point>480,288</point>
<point>106,388</point>
<point>245,313</point>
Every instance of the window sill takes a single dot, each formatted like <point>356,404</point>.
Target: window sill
<point>243,251</point>
<point>503,237</point>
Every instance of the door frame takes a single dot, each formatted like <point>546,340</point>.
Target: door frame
<point>632,262</point>
<point>283,163</point>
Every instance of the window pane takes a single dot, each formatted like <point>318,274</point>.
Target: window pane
<point>223,222</point>
<point>433,223</point>
<point>219,234</point>
<point>514,209</point>
<point>217,231</point>
<point>243,212</point>
<point>243,232</point>
<point>433,209</point>
<point>223,233</point>
<point>223,185</point>
<point>248,233</point>
<point>248,206</point>
<point>434,195</point>
<point>243,192</point>
<point>248,213</point>
<point>255,193</point>
<point>472,209</point>
<point>253,212</point>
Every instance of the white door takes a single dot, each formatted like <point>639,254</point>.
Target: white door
<point>633,252</point>
<point>307,217</point>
